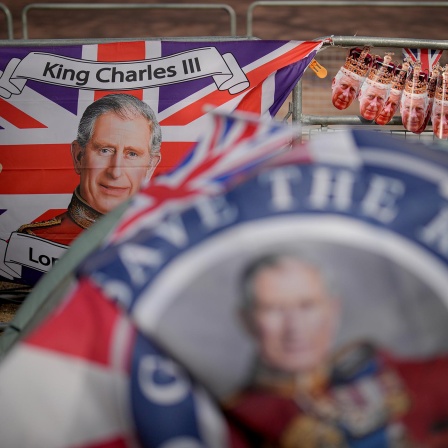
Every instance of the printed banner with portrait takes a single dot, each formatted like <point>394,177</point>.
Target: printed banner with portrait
<point>74,145</point>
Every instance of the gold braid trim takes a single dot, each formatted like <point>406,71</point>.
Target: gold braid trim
<point>81,212</point>
<point>28,228</point>
<point>307,432</point>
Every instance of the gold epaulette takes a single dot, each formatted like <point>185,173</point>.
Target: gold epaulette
<point>28,228</point>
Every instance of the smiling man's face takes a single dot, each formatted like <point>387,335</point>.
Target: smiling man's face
<point>413,112</point>
<point>389,109</point>
<point>344,91</point>
<point>371,101</point>
<point>440,120</point>
<point>115,161</point>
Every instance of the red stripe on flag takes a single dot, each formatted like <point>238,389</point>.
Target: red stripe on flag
<point>119,52</point>
<point>172,154</point>
<point>18,118</point>
<point>251,102</point>
<point>84,325</point>
<point>255,77</point>
<point>37,169</point>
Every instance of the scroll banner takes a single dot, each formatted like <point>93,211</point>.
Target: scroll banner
<point>45,91</point>
<point>31,251</point>
<point>77,73</point>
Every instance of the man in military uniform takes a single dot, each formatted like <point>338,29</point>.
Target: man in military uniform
<point>117,149</point>
<point>301,395</point>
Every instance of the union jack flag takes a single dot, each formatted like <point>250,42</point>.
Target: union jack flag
<point>38,125</point>
<point>427,57</point>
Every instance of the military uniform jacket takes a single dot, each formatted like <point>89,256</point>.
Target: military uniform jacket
<point>382,402</point>
<point>67,226</point>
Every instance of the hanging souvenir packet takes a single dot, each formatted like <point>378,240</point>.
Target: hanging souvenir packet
<point>439,114</point>
<point>348,80</point>
<point>396,90</point>
<point>415,100</point>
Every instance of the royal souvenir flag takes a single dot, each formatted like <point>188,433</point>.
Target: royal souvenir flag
<point>426,56</point>
<point>46,90</point>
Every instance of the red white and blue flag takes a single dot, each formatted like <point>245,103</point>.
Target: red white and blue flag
<point>426,56</point>
<point>45,90</point>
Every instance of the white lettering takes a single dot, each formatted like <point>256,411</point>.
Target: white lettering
<point>281,181</point>
<point>137,259</point>
<point>331,187</point>
<point>173,230</point>
<point>119,291</point>
<point>215,211</point>
<point>381,197</point>
<point>435,234</point>
<point>169,392</point>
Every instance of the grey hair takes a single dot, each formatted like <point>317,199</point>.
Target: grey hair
<point>346,73</point>
<point>125,106</point>
<point>271,260</point>
<point>414,96</point>
<point>365,85</point>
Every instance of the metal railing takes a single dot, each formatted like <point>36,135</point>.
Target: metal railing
<point>8,18</point>
<point>130,6</point>
<point>333,4</point>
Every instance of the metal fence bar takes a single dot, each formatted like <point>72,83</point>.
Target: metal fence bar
<point>8,17</point>
<point>334,3</point>
<point>105,40</point>
<point>396,42</point>
<point>133,6</point>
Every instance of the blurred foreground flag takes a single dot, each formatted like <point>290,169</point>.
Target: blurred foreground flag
<point>288,295</point>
